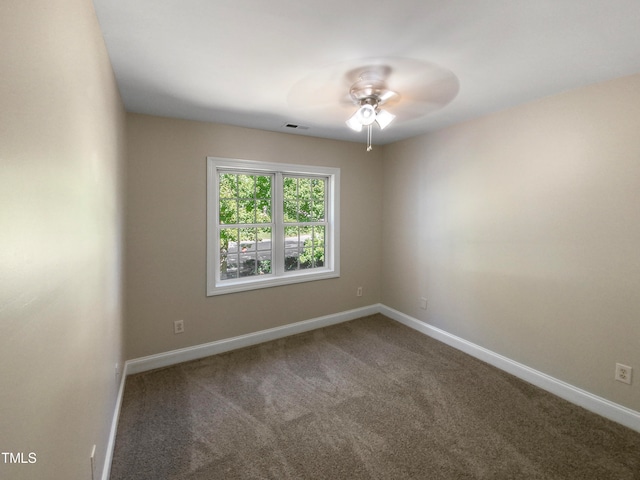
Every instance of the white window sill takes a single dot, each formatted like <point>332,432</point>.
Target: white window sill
<point>254,283</point>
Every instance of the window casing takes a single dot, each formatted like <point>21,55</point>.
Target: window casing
<point>270,224</point>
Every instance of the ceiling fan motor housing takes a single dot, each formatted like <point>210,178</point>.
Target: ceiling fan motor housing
<point>370,88</point>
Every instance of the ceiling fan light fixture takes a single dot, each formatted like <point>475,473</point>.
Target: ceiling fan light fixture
<point>384,118</point>
<point>366,114</point>
<point>353,123</point>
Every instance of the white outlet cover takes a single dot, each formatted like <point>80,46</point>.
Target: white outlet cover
<point>178,326</point>
<point>623,373</point>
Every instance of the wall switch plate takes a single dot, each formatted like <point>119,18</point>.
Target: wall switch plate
<point>359,292</point>
<point>423,303</point>
<point>623,373</point>
<point>178,326</point>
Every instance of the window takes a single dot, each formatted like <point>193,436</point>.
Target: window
<point>270,224</point>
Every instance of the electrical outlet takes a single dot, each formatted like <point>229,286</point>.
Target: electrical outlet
<point>117,373</point>
<point>423,303</point>
<point>178,326</point>
<point>359,292</point>
<point>623,373</point>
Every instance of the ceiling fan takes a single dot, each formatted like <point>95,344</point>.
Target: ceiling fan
<point>370,93</point>
<point>407,88</point>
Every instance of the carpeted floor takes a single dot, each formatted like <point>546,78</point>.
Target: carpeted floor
<point>367,399</point>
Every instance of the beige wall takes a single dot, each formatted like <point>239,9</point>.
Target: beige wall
<point>522,229</point>
<point>61,148</point>
<point>166,233</point>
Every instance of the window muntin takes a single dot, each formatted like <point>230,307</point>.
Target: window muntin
<point>270,224</point>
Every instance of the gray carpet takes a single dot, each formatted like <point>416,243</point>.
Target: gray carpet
<point>367,399</point>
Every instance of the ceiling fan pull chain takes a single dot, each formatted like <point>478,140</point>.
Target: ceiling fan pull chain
<point>369,147</point>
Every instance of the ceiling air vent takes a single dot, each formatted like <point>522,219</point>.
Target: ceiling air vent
<point>296,127</point>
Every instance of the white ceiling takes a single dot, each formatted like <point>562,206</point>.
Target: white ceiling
<point>237,61</point>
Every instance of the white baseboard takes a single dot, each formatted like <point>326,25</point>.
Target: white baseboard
<point>173,357</point>
<point>601,406</point>
<point>111,442</point>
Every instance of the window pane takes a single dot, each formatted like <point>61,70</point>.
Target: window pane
<point>246,211</point>
<point>247,265</point>
<point>246,186</point>
<point>263,186</point>
<point>290,199</point>
<point>290,187</point>
<point>228,266</point>
<point>305,234</point>
<point>304,210</point>
<point>228,253</point>
<point>264,239</point>
<point>306,256</point>
<point>229,239</point>
<point>319,196</point>
<point>304,188</point>
<point>290,211</point>
<point>291,237</point>
<point>264,263</point>
<point>224,262</point>
<point>318,245</point>
<point>263,212</point>
<point>310,253</point>
<point>290,260</point>
<point>318,211</point>
<point>248,238</point>
<point>228,185</point>
<point>318,235</point>
<point>228,212</point>
<point>318,189</point>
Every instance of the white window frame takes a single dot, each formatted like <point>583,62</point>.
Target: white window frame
<point>331,267</point>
